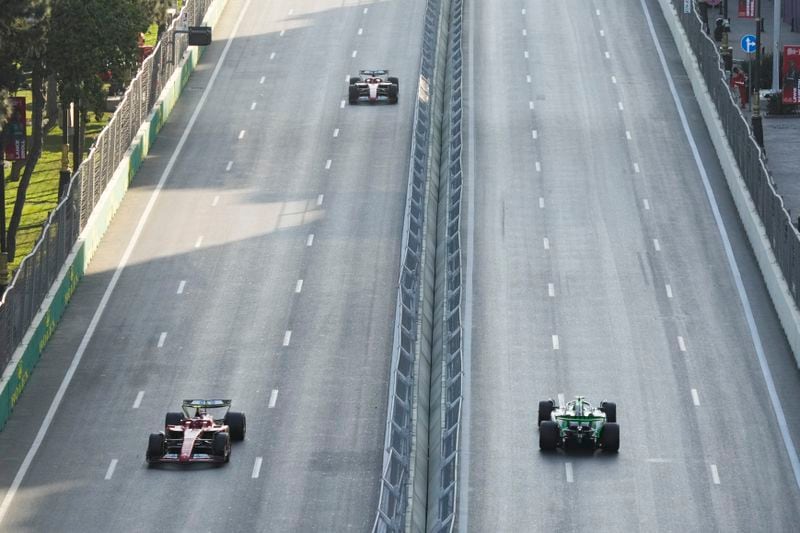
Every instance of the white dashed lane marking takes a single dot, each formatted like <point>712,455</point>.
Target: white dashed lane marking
<point>526,54</point>
<point>256,468</point>
<point>198,242</point>
<point>215,201</point>
<point>524,33</point>
<point>342,104</point>
<point>252,106</point>
<point>628,135</point>
<point>714,474</point>
<point>181,286</point>
<point>530,105</point>
<point>541,203</point>
<point>273,398</point>
<point>613,79</point>
<point>360,31</point>
<point>228,166</point>
<point>523,11</point>
<point>608,55</point>
<point>272,56</point>
<point>241,134</point>
<point>138,401</point>
<point>646,204</point>
<point>669,290</point>
<point>695,398</point>
<point>546,243</point>
<point>636,168</point>
<point>551,290</point>
<point>320,198</point>
<point>355,53</point>
<point>365,10</point>
<point>538,167</point>
<point>162,339</point>
<point>262,79</point>
<point>310,239</point>
<point>535,134</point>
<point>602,33</point>
<point>681,344</point>
<point>336,132</point>
<point>111,468</point>
<point>328,164</point>
<point>556,344</point>
<point>287,337</point>
<point>281,34</point>
<point>621,107</point>
<point>656,245</point>
<point>568,468</point>
<point>528,78</point>
<point>298,287</point>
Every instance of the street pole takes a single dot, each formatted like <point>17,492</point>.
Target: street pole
<point>725,49</point>
<point>758,130</point>
<point>776,46</point>
<point>3,251</point>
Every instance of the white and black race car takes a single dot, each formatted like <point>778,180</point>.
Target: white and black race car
<point>374,86</point>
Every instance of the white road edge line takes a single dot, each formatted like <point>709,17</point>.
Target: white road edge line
<point>256,468</point>
<point>695,398</point>
<point>714,474</point>
<point>273,398</point>
<point>737,275</point>
<point>162,339</point>
<point>111,468</point>
<point>568,468</point>
<point>138,401</point>
<point>287,337</point>
<point>181,286</point>
<point>57,399</point>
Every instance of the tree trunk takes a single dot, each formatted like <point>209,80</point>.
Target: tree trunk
<point>52,113</point>
<point>31,160</point>
<point>16,169</point>
<point>76,136</point>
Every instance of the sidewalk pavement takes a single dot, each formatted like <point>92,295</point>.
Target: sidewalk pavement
<point>781,133</point>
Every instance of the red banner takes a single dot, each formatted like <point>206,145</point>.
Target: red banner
<point>790,75</point>
<point>747,9</point>
<point>14,133</point>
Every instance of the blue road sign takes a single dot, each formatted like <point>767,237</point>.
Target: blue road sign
<point>749,43</point>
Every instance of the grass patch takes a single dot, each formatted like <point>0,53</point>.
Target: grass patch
<point>42,195</point>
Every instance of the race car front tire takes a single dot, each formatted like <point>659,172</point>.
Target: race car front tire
<point>155,447</point>
<point>237,425</point>
<point>353,94</point>
<point>355,79</point>
<point>610,409</point>
<point>394,81</point>
<point>173,419</point>
<point>221,445</point>
<point>609,440</point>
<point>545,409</point>
<point>548,435</point>
<point>392,93</point>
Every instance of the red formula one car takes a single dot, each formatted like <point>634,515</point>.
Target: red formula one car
<point>197,436</point>
<point>375,86</point>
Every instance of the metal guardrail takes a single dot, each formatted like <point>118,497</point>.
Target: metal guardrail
<point>781,232</point>
<point>39,269</point>
<point>397,463</point>
<point>451,188</point>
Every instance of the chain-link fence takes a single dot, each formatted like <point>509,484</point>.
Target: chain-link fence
<point>38,270</point>
<point>782,234</point>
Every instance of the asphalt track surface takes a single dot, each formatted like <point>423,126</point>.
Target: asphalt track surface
<point>283,213</point>
<point>598,269</point>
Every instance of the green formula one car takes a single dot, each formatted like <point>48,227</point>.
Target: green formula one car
<point>578,422</point>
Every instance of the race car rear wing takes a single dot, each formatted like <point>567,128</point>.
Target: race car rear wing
<point>206,404</point>
<point>373,72</point>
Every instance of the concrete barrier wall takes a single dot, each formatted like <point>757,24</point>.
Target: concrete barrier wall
<point>27,355</point>
<point>754,227</point>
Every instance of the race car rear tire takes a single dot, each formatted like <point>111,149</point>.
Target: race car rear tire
<point>545,409</point>
<point>392,93</point>
<point>609,440</point>
<point>353,94</point>
<point>155,447</point>
<point>395,81</point>
<point>237,425</point>
<point>221,445</point>
<point>610,409</point>
<point>173,419</point>
<point>355,79</point>
<point>548,435</point>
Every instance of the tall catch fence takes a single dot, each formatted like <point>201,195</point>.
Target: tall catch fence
<point>39,269</point>
<point>781,232</point>
<point>447,372</point>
